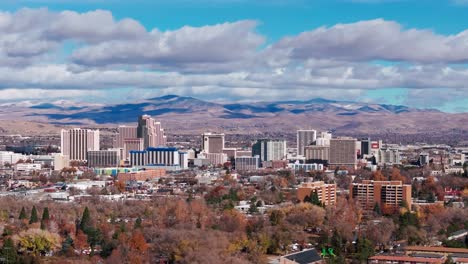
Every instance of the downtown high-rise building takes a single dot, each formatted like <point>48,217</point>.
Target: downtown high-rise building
<point>76,142</point>
<point>212,143</point>
<point>125,132</point>
<point>269,150</point>
<point>151,132</point>
<point>343,152</point>
<point>305,138</point>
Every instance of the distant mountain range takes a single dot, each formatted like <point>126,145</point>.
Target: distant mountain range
<point>188,113</point>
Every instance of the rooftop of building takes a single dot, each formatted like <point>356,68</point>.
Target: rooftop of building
<point>406,259</point>
<point>437,249</point>
<point>304,257</point>
<point>161,149</point>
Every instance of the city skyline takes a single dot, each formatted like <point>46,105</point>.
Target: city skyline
<point>365,51</point>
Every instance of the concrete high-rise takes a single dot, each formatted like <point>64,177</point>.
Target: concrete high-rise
<point>305,138</point>
<point>365,147</point>
<point>151,132</point>
<point>124,132</point>
<point>76,142</point>
<point>343,152</point>
<point>269,150</point>
<point>212,143</point>
<point>323,139</point>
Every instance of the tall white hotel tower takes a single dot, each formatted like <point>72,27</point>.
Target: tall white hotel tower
<point>76,142</point>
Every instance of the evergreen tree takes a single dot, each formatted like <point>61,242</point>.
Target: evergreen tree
<point>253,208</point>
<point>8,251</point>
<point>122,227</point>
<point>34,218</point>
<point>85,223</point>
<point>137,223</point>
<point>365,249</point>
<point>43,225</point>
<point>431,197</point>
<point>94,238</point>
<point>338,243</point>
<point>315,199</point>
<point>22,214</point>
<point>67,244</point>
<point>377,209</point>
<point>45,214</point>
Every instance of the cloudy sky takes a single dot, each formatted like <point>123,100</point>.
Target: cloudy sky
<point>412,53</point>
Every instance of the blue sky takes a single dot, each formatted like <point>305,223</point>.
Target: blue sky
<point>399,52</point>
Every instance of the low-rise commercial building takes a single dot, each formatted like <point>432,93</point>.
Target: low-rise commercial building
<point>103,158</point>
<point>247,163</point>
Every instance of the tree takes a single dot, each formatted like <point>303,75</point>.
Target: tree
<point>45,218</point>
<point>120,186</point>
<point>276,217</point>
<point>81,241</point>
<point>314,199</point>
<point>67,244</point>
<point>380,231</point>
<point>34,218</point>
<point>138,242</point>
<point>137,223</point>
<point>94,237</point>
<point>43,225</point>
<point>8,251</point>
<point>37,241</point>
<point>365,249</point>
<point>85,223</point>
<point>378,176</point>
<point>396,175</point>
<point>22,214</point>
<point>377,209</point>
<point>253,208</point>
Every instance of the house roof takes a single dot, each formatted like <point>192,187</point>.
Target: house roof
<point>406,259</point>
<point>304,257</point>
<point>437,249</point>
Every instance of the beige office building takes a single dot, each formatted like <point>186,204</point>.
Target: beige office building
<point>213,143</point>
